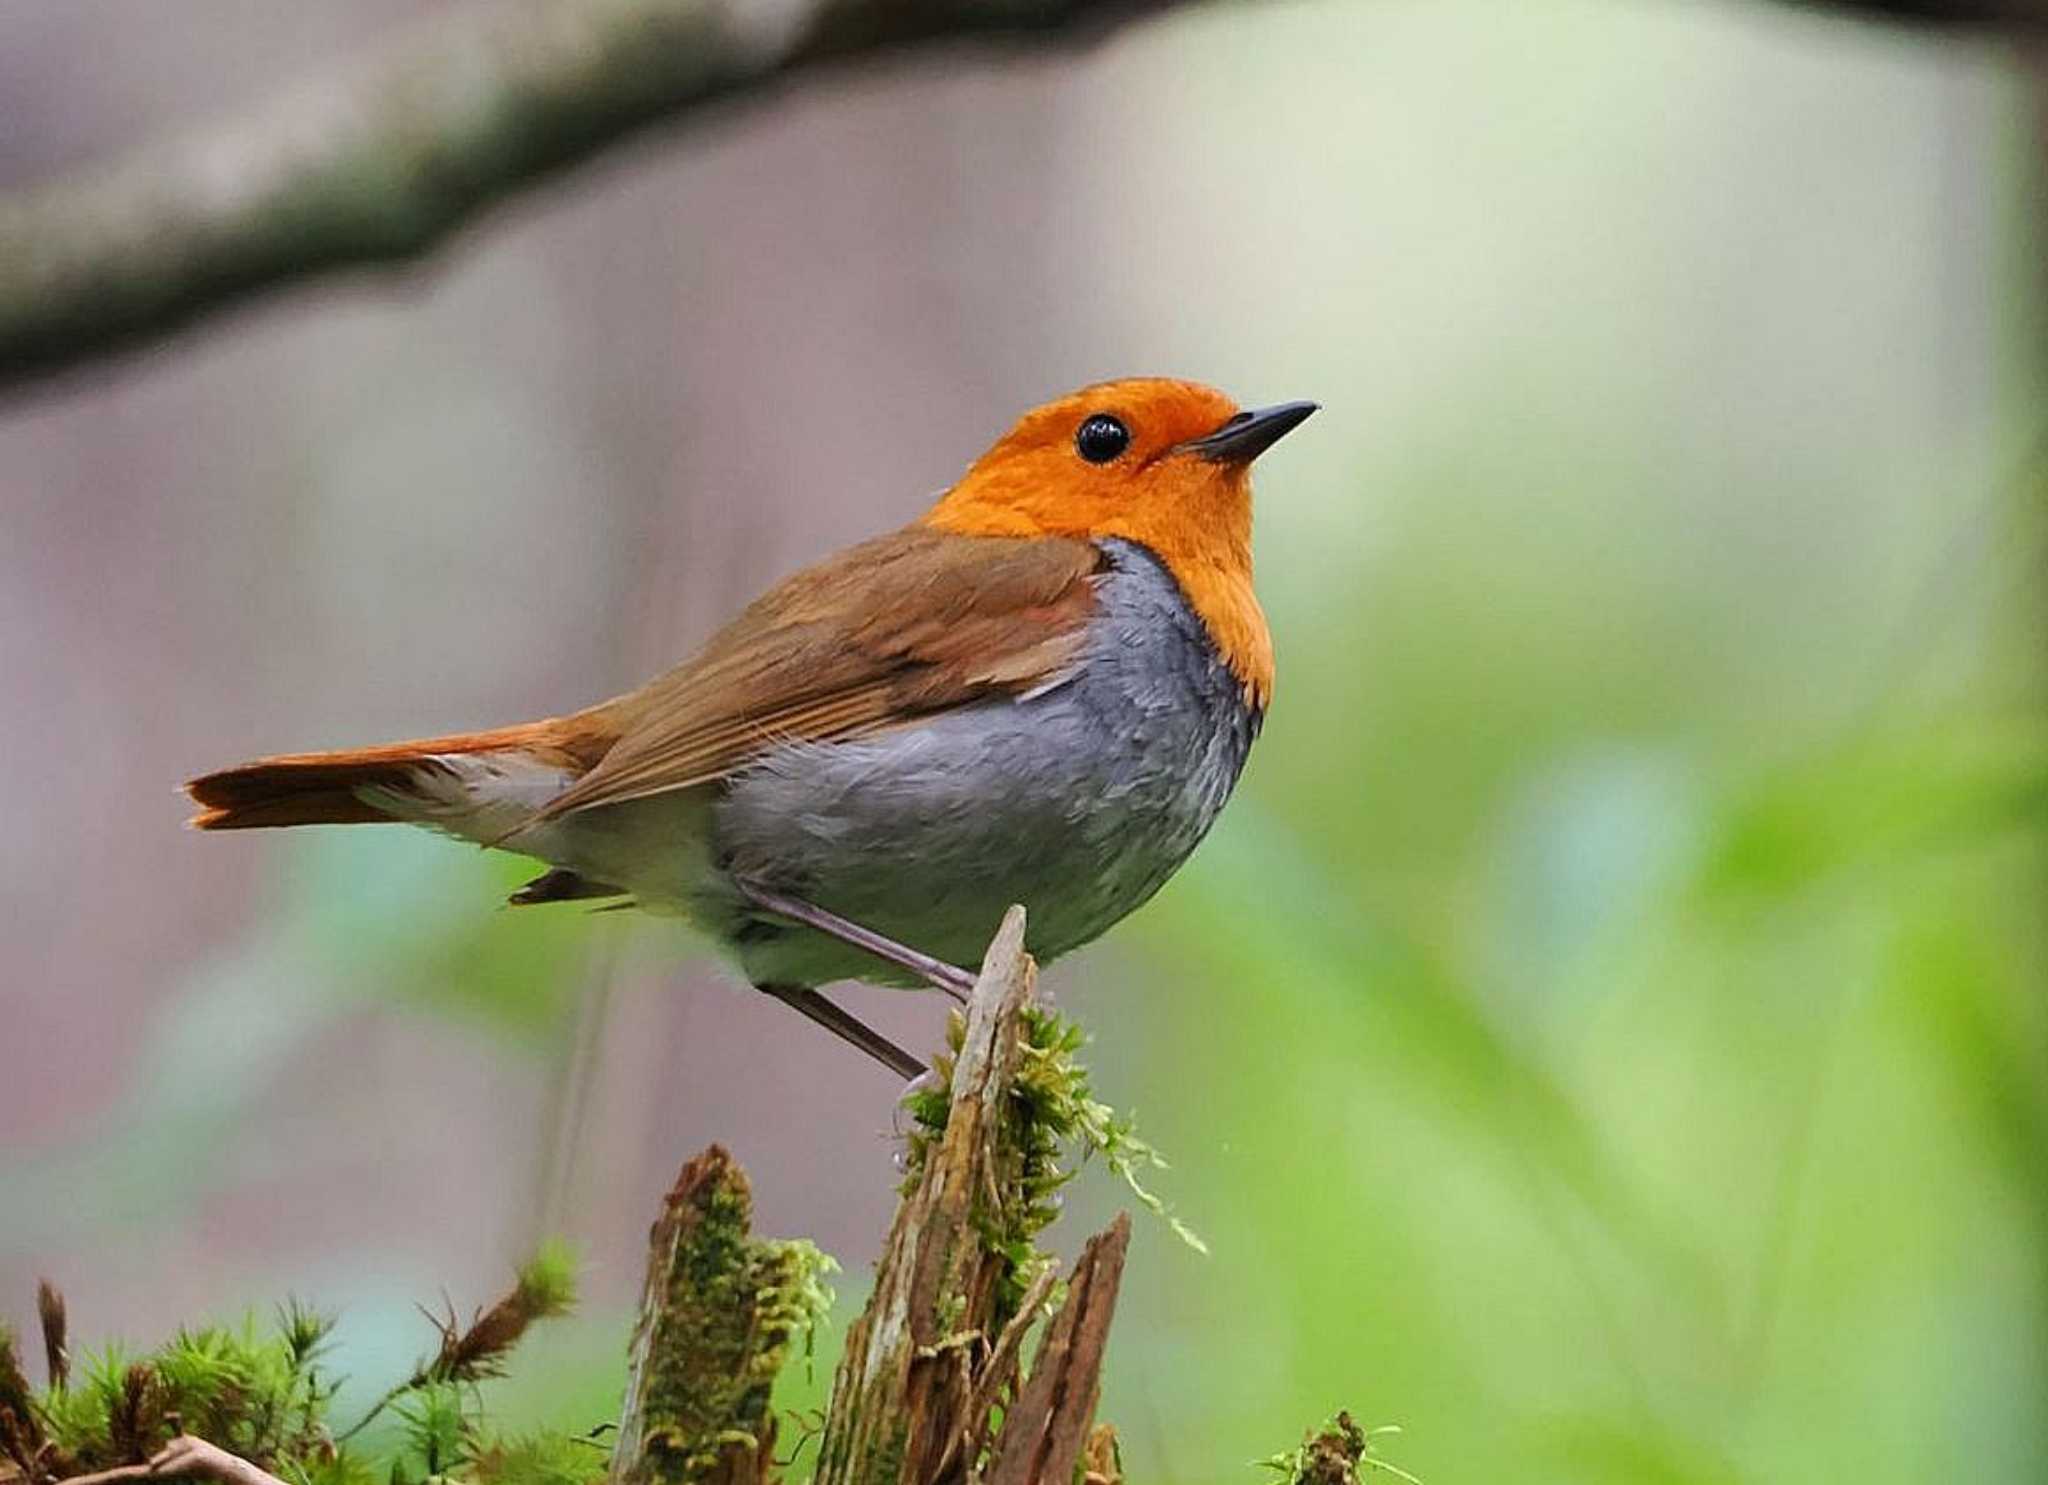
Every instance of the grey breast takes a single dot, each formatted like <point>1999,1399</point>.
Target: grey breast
<point>1077,801</point>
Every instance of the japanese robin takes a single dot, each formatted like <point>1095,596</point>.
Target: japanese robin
<point>1041,691</point>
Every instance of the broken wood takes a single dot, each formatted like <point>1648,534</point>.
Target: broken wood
<point>717,1314</point>
<point>938,1348</point>
<point>1050,1426</point>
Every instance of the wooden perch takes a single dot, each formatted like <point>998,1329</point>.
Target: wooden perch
<point>934,1351</point>
<point>936,1357</point>
<point>381,164</point>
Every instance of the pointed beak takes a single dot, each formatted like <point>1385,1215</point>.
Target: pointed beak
<point>1250,433</point>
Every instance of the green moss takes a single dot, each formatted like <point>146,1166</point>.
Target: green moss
<point>261,1391</point>
<point>734,1309</point>
<point>255,1391</point>
<point>1052,1125</point>
<point>1335,1454</point>
<point>540,1459</point>
<point>547,1281</point>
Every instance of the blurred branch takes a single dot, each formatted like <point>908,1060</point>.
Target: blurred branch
<point>50,1312</point>
<point>2023,15</point>
<point>378,166</point>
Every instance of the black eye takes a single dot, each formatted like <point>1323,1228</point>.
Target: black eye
<point>1101,438</point>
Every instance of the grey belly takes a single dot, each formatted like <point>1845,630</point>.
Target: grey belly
<point>1078,802</point>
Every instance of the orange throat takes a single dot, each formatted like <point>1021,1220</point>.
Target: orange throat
<point>1207,551</point>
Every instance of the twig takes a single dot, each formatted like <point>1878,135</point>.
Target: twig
<point>184,1457</point>
<point>56,1353</point>
<point>473,1353</point>
<point>1009,1347</point>
<point>382,163</point>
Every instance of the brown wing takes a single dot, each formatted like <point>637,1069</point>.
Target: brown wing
<point>908,624</point>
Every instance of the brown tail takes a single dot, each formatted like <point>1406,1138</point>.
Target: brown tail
<point>321,788</point>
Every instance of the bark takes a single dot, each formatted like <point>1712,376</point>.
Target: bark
<point>1051,1425</point>
<point>934,1353</point>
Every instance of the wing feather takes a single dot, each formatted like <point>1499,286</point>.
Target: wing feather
<point>897,628</point>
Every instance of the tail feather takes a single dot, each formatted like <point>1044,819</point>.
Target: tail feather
<point>359,785</point>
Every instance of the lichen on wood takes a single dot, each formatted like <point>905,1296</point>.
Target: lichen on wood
<point>718,1314</point>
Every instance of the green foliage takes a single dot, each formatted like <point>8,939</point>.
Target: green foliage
<point>257,1392</point>
<point>1058,1104</point>
<point>547,1281</point>
<point>436,1433</point>
<point>1334,1455</point>
<point>1052,1110</point>
<point>539,1459</point>
<point>262,1392</point>
<point>802,1303</point>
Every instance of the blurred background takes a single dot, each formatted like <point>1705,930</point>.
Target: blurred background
<point>1606,1035</point>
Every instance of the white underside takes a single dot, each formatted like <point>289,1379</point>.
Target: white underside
<point>474,796</point>
<point>655,850</point>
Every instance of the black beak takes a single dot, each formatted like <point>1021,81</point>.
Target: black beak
<point>1251,433</point>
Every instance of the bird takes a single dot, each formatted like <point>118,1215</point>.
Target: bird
<point>1042,690</point>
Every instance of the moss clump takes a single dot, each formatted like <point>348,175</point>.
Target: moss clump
<point>1335,1454</point>
<point>256,1391</point>
<point>731,1308</point>
<point>1051,1110</point>
<point>262,1391</point>
<point>539,1459</point>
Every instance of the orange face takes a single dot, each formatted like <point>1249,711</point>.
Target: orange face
<point>1163,463</point>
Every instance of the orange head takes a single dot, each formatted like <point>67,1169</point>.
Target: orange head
<point>1163,463</point>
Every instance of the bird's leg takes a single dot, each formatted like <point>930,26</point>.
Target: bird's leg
<point>950,978</point>
<point>848,1028</point>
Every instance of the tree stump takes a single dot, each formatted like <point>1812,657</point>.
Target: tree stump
<point>929,1388</point>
